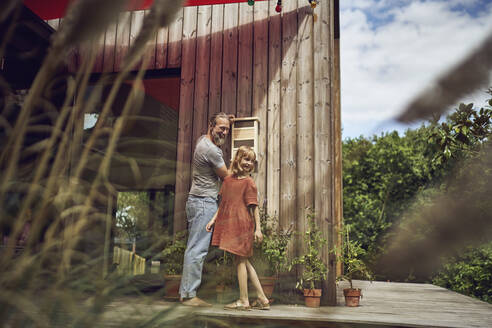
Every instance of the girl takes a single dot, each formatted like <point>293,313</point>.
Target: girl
<point>234,226</point>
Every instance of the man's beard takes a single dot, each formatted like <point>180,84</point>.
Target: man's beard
<point>219,140</point>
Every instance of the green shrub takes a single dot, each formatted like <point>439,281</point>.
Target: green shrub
<point>173,254</point>
<point>270,256</point>
<point>469,273</point>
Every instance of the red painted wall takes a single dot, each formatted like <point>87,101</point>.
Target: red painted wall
<point>51,9</point>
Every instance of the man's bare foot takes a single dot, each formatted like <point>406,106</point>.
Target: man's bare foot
<point>196,302</point>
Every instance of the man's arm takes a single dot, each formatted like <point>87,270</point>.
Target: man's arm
<point>222,171</point>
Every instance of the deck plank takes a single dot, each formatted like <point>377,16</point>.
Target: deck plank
<point>385,304</point>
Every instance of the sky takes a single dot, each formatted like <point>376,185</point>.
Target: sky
<point>391,50</point>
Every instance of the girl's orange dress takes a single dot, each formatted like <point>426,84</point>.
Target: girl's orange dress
<point>234,226</point>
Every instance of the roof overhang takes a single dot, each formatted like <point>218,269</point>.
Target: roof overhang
<point>25,49</point>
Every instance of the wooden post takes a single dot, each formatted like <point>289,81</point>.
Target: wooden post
<point>337,131</point>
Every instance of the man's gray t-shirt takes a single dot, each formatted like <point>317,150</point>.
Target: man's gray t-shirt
<point>206,159</point>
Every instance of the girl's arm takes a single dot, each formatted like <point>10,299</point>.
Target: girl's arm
<point>256,214</point>
<point>211,223</point>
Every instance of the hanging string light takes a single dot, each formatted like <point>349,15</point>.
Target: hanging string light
<point>313,3</point>
<point>278,8</point>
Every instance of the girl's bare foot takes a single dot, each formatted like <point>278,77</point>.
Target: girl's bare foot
<point>260,304</point>
<point>238,305</point>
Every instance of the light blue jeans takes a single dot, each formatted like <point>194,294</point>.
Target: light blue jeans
<point>199,211</point>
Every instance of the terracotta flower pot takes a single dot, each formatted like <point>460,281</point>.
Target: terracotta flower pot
<point>352,296</point>
<point>221,293</point>
<point>312,297</point>
<point>268,284</point>
<point>171,286</point>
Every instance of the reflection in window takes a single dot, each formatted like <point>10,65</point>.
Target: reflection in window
<point>143,219</point>
<point>90,120</point>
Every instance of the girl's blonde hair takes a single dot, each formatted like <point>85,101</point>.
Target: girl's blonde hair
<point>243,151</point>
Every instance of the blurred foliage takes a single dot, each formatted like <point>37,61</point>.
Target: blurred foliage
<point>55,181</point>
<point>389,178</point>
<point>219,268</point>
<point>469,273</point>
<point>173,254</point>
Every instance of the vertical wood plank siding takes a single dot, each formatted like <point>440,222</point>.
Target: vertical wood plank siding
<point>288,118</point>
<point>305,140</point>
<point>273,113</point>
<point>200,114</point>
<point>245,61</point>
<point>99,55</point>
<point>260,85</point>
<point>229,62</point>
<point>122,39</point>
<point>161,48</point>
<point>185,128</point>
<point>252,61</point>
<point>322,119</point>
<point>215,81</point>
<point>151,49</point>
<point>109,49</point>
<point>135,27</point>
<point>174,42</point>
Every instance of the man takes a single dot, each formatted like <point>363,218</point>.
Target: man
<point>208,167</point>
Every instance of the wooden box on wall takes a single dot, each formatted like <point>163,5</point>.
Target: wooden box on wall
<point>245,133</point>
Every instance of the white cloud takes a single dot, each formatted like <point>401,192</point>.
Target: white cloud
<point>391,50</point>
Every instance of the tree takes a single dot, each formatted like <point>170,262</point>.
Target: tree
<point>388,177</point>
<point>381,175</point>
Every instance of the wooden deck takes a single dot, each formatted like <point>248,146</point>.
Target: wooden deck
<point>384,304</point>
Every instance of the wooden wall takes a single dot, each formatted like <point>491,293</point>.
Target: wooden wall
<point>252,61</point>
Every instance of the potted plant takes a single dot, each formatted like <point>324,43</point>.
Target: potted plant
<point>349,254</point>
<point>270,256</point>
<point>172,263</point>
<point>314,270</point>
